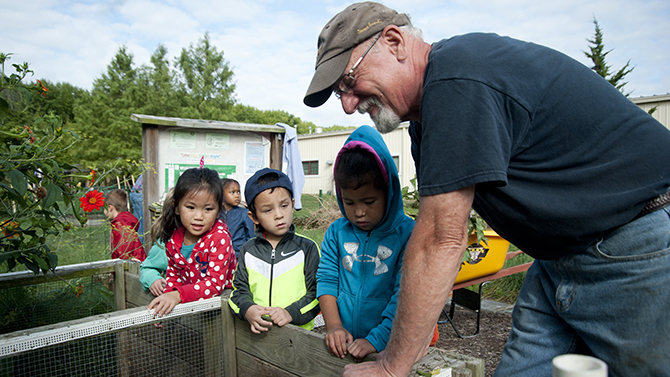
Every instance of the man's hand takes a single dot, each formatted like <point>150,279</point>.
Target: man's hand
<point>157,287</point>
<point>280,316</point>
<point>164,303</point>
<point>370,369</point>
<point>337,340</point>
<point>253,316</point>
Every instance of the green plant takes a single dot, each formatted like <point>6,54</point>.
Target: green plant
<point>37,185</point>
<point>476,225</point>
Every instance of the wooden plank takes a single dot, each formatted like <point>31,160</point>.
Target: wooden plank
<point>512,254</point>
<point>292,349</point>
<point>205,124</point>
<point>150,189</point>
<point>229,352</point>
<point>119,287</point>
<point>253,366</point>
<point>500,274</point>
<point>276,151</point>
<point>135,293</point>
<point>23,278</point>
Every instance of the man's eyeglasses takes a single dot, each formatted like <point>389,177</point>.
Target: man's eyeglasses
<point>347,82</point>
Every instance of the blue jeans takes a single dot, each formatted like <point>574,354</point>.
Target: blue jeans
<point>136,202</point>
<point>612,301</point>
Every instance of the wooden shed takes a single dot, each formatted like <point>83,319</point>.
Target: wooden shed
<point>235,150</point>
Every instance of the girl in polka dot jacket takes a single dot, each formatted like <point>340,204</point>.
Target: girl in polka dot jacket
<point>201,259</point>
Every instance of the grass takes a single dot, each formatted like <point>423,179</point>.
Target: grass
<point>507,289</point>
<point>82,245</point>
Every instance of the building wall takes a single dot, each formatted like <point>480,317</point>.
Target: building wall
<point>323,148</point>
<point>662,113</point>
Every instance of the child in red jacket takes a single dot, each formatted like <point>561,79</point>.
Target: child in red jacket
<point>124,239</point>
<point>200,257</point>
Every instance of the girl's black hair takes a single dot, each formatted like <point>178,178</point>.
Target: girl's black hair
<point>357,167</point>
<point>227,181</point>
<point>157,226</point>
<point>189,183</point>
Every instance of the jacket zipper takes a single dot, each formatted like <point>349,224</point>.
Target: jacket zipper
<point>364,269</point>
<point>272,267</point>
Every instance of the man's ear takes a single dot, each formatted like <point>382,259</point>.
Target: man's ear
<point>396,41</point>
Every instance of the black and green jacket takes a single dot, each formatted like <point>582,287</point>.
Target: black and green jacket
<point>283,277</point>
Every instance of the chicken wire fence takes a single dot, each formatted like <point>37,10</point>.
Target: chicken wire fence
<point>132,342</point>
<point>35,305</point>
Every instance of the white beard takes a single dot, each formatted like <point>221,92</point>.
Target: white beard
<point>385,120</point>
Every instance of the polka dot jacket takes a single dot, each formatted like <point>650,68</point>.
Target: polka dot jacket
<point>208,271</point>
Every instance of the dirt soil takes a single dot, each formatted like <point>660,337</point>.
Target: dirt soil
<point>487,345</point>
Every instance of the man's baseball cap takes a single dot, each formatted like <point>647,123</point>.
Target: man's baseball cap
<point>252,188</point>
<point>337,40</point>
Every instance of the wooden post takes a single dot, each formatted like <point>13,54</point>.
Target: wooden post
<point>276,151</point>
<point>150,178</point>
<point>229,350</point>
<point>120,287</point>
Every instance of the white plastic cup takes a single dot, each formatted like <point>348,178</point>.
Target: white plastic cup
<point>570,365</point>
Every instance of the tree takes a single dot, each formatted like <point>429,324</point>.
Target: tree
<point>598,57</point>
<point>111,139</point>
<point>158,86</point>
<point>206,81</point>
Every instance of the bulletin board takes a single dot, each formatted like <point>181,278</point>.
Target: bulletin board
<point>235,150</point>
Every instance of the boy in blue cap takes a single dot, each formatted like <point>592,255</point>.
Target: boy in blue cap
<point>275,280</point>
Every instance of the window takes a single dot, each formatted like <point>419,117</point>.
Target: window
<point>310,167</point>
<point>396,159</point>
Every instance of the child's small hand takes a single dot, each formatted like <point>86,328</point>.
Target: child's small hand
<point>280,316</point>
<point>337,339</point>
<point>253,316</point>
<point>157,287</point>
<point>361,348</point>
<point>164,303</point>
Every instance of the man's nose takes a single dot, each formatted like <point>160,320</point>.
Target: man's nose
<point>350,102</point>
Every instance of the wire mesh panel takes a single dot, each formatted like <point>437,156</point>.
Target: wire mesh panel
<point>125,343</point>
<point>43,304</point>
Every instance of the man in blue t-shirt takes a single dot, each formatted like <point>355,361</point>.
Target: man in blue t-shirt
<point>551,155</point>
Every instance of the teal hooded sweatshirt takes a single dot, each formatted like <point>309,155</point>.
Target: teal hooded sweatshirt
<point>362,268</point>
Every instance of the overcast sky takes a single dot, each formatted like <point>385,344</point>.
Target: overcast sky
<point>271,45</point>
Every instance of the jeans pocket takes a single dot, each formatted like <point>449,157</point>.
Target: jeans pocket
<point>645,238</point>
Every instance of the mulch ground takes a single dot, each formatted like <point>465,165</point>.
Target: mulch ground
<point>487,345</point>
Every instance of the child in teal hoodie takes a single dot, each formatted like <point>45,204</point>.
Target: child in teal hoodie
<point>361,255</point>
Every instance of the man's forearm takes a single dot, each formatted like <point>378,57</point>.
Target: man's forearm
<point>430,266</point>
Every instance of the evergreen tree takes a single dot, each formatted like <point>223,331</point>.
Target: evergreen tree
<point>598,56</point>
<point>205,81</point>
<point>157,86</point>
<point>110,137</point>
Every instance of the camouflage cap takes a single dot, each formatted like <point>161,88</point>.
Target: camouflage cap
<point>342,33</point>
